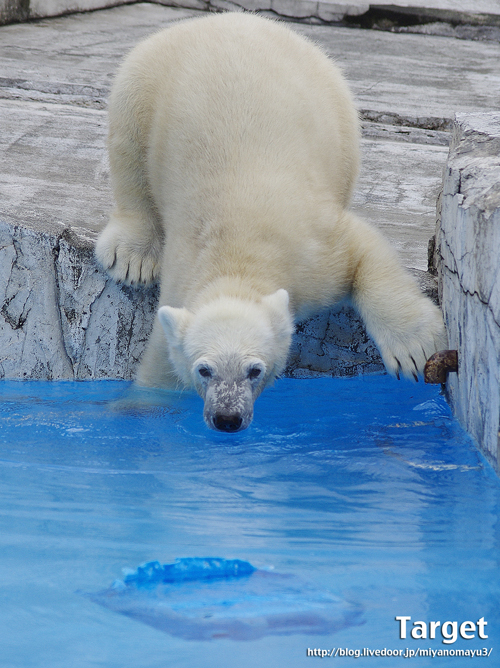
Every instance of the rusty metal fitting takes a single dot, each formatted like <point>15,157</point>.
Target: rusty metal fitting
<point>439,365</point>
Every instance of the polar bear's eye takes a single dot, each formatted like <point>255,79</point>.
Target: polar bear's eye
<point>205,372</point>
<point>254,372</point>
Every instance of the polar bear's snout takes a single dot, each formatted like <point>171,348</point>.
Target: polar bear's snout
<point>227,422</point>
<point>228,405</point>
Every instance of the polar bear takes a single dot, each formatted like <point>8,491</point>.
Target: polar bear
<point>233,149</point>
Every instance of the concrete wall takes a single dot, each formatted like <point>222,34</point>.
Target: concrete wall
<point>61,317</point>
<point>12,11</point>
<point>468,12</point>
<point>468,250</point>
<point>324,10</point>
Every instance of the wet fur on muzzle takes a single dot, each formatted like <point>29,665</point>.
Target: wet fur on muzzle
<point>228,405</point>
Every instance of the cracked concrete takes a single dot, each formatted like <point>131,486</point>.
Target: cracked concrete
<point>383,14</point>
<point>62,318</point>
<point>468,244</point>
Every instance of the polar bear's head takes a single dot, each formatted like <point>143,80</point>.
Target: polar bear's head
<point>229,350</point>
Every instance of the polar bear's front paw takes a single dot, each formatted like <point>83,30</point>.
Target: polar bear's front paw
<point>406,351</point>
<point>407,358</point>
<point>128,258</point>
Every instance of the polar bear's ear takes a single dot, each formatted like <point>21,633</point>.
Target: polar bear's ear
<point>277,305</point>
<point>174,322</point>
<point>278,301</point>
<point>282,325</point>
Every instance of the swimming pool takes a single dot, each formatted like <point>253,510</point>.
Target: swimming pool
<point>366,489</point>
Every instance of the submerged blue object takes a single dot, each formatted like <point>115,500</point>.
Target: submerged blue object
<point>190,568</point>
<point>207,598</point>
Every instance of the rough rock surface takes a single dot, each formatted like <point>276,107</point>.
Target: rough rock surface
<point>468,250</point>
<point>61,317</point>
<point>479,12</point>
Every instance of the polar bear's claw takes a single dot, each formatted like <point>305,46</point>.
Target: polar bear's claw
<point>406,353</point>
<point>128,258</point>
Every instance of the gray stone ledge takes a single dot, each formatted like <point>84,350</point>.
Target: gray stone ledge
<point>449,12</point>
<point>468,251</point>
<point>61,317</point>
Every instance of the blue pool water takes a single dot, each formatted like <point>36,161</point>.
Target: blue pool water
<point>364,491</point>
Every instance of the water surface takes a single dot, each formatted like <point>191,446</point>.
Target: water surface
<point>365,488</point>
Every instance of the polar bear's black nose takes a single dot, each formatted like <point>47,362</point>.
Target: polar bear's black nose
<point>227,422</point>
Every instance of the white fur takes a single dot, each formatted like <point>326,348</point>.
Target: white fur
<point>234,152</point>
